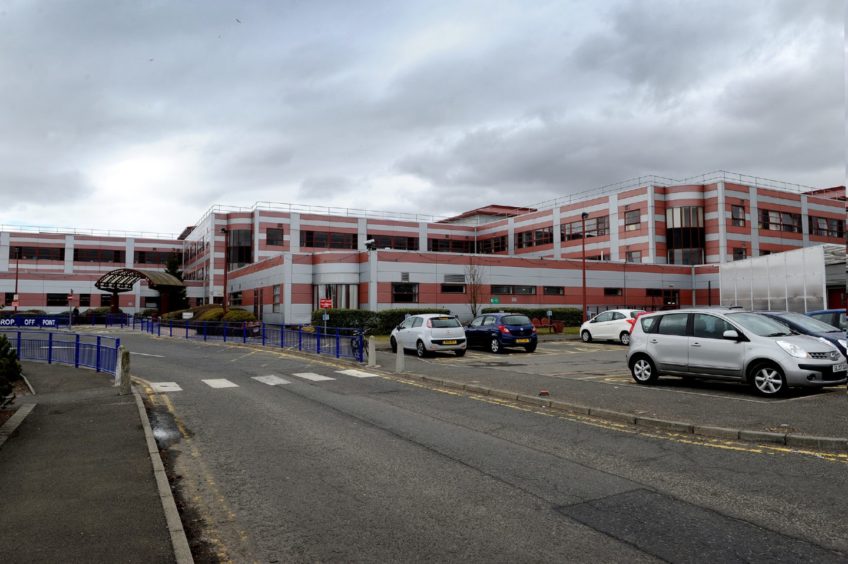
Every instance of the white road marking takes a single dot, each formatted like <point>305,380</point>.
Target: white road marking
<point>312,376</point>
<point>165,387</point>
<point>147,354</point>
<point>271,380</point>
<point>219,383</point>
<point>357,373</point>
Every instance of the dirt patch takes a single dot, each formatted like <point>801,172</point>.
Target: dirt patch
<point>20,391</point>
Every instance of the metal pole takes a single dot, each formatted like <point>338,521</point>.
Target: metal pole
<point>17,268</point>
<point>226,265</point>
<point>583,217</point>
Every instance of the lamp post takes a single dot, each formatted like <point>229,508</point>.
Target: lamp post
<point>624,275</point>
<point>583,217</point>
<point>225,231</point>
<point>16,298</point>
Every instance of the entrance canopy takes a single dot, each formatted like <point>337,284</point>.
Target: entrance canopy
<point>123,280</point>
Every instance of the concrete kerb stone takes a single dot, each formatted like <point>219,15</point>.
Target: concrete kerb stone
<point>615,416</point>
<point>179,542</point>
<point>716,432</point>
<point>763,437</point>
<point>14,421</point>
<point>807,441</point>
<point>676,426</point>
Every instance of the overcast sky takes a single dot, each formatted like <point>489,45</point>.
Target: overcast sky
<point>140,115</point>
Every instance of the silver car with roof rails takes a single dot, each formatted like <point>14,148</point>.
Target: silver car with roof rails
<point>732,345</point>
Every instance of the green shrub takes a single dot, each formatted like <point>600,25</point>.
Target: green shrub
<point>97,311</point>
<point>210,314</point>
<point>570,316</point>
<point>344,318</point>
<point>197,311</point>
<point>149,312</point>
<point>374,322</point>
<point>10,368</point>
<point>238,315</point>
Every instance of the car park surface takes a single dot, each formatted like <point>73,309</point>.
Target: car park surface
<point>731,345</point>
<point>610,325</point>
<point>496,331</point>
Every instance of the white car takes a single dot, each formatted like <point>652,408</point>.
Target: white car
<point>610,325</point>
<point>428,333</point>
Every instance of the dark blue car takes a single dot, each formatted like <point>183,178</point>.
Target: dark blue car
<point>494,331</point>
<point>835,317</point>
<point>805,325</point>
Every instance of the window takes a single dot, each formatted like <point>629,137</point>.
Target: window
<point>685,216</point>
<point>780,221</point>
<point>827,227</point>
<point>595,227</point>
<point>553,290</point>
<point>685,256</point>
<point>239,247</point>
<point>274,237</point>
<point>151,257</point>
<point>605,316</point>
<point>404,292</point>
<point>633,256</point>
<point>395,242</point>
<point>105,300</point>
<point>453,288</point>
<point>450,245</point>
<point>236,298</point>
<point>534,237</point>
<point>275,291</point>
<point>492,245</point>
<point>739,253</point>
<point>524,290</point>
<point>37,253</point>
<point>99,255</point>
<point>10,297</point>
<point>57,299</point>
<point>710,326</point>
<point>765,253</point>
<point>653,292</point>
<point>503,290</point>
<point>632,220</point>
<point>737,215</point>
<point>85,300</point>
<point>326,240</point>
<point>673,324</point>
<point>612,291</point>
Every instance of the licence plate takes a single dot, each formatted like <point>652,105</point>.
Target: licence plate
<point>522,340</point>
<point>451,342</point>
<point>841,367</point>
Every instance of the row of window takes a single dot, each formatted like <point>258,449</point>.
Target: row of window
<point>61,300</point>
<point>88,255</point>
<point>407,292</point>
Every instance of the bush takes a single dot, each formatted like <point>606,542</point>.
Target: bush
<point>238,315</point>
<point>10,368</point>
<point>374,322</point>
<point>149,312</point>
<point>197,310</point>
<point>210,314</point>
<point>98,311</point>
<point>570,316</point>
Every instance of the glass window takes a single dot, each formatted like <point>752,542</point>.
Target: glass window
<point>710,326</point>
<point>633,256</point>
<point>618,315</point>
<point>612,291</point>
<point>504,290</point>
<point>443,322</point>
<point>673,324</point>
<point>516,320</point>
<point>477,322</point>
<point>417,321</point>
<point>57,299</point>
<point>737,214</point>
<point>489,320</point>
<point>553,290</point>
<point>453,288</point>
<point>525,290</point>
<point>739,253</point>
<point>595,227</point>
<point>780,221</point>
<point>760,324</point>
<point>632,220</point>
<point>275,303</point>
<point>404,292</point>
<point>602,317</point>
<point>274,236</point>
<point>650,324</point>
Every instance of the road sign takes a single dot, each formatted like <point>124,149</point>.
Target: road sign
<point>71,298</point>
<point>325,303</point>
<point>495,300</point>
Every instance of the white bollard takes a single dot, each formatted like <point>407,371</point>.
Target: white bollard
<point>399,367</point>
<point>124,373</point>
<point>372,353</point>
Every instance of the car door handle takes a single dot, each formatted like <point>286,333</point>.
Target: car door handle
<point>654,341</point>
<point>696,344</point>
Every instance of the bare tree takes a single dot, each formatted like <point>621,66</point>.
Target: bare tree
<point>474,274</point>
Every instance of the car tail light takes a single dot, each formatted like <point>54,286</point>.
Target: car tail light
<point>503,329</point>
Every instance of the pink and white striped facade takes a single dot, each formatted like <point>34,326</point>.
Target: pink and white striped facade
<point>649,243</point>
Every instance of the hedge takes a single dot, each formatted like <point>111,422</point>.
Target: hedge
<point>374,322</point>
<point>570,316</point>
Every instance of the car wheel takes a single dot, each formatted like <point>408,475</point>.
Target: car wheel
<point>495,346</point>
<point>460,352</point>
<point>420,350</point>
<point>393,343</point>
<point>643,370</point>
<point>768,379</point>
<point>530,348</point>
<point>586,336</point>
<point>624,338</point>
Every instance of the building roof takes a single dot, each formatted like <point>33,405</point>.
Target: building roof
<point>492,212</point>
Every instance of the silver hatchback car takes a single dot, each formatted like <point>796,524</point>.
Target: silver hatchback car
<point>730,344</point>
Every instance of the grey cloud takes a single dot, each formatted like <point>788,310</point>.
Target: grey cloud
<point>43,187</point>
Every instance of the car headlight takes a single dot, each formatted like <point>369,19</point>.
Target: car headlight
<point>793,349</point>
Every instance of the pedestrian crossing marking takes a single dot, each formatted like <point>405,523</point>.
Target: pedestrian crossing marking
<point>165,387</point>
<point>219,383</point>
<point>271,380</point>
<point>311,376</point>
<point>356,373</point>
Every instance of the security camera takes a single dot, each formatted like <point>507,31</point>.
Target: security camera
<point>370,244</point>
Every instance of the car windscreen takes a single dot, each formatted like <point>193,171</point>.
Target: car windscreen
<point>444,322</point>
<point>760,324</point>
<point>809,323</point>
<point>515,320</point>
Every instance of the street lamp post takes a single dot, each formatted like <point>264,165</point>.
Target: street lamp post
<point>16,298</point>
<point>583,217</point>
<point>225,231</point>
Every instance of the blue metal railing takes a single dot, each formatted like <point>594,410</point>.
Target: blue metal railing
<point>335,342</point>
<point>81,351</point>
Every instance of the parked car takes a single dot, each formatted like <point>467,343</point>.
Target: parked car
<point>805,325</point>
<point>835,317</point>
<point>428,333</point>
<point>731,345</point>
<point>495,331</point>
<point>610,325</point>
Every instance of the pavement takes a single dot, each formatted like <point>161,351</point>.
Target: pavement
<point>76,479</point>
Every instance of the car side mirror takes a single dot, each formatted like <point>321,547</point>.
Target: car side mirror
<point>399,327</point>
<point>730,335</point>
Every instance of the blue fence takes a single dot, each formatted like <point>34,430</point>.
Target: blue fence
<point>336,342</point>
<point>81,351</point>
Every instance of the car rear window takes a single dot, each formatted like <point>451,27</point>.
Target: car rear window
<point>650,324</point>
<point>515,320</point>
<point>444,322</point>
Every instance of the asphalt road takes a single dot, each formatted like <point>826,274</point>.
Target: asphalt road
<point>336,467</point>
